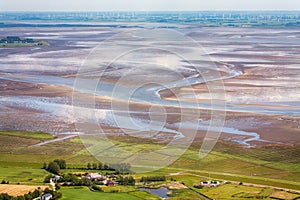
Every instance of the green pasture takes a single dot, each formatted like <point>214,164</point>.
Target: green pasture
<point>277,166</point>
<point>83,193</point>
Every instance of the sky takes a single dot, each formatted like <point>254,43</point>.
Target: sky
<point>146,5</point>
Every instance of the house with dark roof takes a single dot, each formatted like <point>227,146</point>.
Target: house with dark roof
<point>109,183</point>
<point>112,176</point>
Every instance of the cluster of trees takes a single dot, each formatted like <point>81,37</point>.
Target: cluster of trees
<point>55,166</point>
<point>127,180</point>
<point>69,178</point>
<point>32,195</point>
<point>47,178</point>
<point>73,180</point>
<point>4,182</point>
<point>153,178</point>
<point>96,188</point>
<point>79,182</point>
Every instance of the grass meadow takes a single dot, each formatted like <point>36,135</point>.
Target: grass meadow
<point>275,166</point>
<point>80,193</point>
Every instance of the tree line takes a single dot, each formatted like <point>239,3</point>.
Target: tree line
<point>127,180</point>
<point>122,168</point>
<point>56,165</point>
<point>152,178</point>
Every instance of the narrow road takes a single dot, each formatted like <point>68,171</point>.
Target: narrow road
<point>55,140</point>
<point>52,184</point>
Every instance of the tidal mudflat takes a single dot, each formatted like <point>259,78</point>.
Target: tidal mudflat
<point>258,79</point>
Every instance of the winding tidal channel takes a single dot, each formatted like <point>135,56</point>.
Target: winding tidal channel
<point>150,95</point>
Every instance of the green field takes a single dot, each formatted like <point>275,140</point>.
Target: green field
<point>23,134</point>
<point>82,193</point>
<point>28,176</point>
<point>276,166</point>
<point>229,191</point>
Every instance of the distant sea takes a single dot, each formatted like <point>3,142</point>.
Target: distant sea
<point>204,18</point>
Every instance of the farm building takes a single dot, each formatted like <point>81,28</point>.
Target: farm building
<point>209,183</point>
<point>47,196</point>
<point>109,183</point>
<point>95,176</point>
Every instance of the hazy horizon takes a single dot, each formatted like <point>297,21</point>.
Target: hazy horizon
<point>95,11</point>
<point>146,5</point>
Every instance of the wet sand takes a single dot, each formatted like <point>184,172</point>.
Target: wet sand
<point>269,80</point>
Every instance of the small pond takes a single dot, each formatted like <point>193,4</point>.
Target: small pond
<point>161,192</point>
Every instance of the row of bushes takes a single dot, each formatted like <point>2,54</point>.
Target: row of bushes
<point>123,168</point>
<point>128,180</point>
<point>4,182</point>
<point>153,178</point>
<point>96,188</point>
<point>32,195</point>
<point>57,164</point>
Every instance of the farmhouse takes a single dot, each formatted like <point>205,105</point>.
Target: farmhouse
<point>47,196</point>
<point>95,176</point>
<point>56,178</point>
